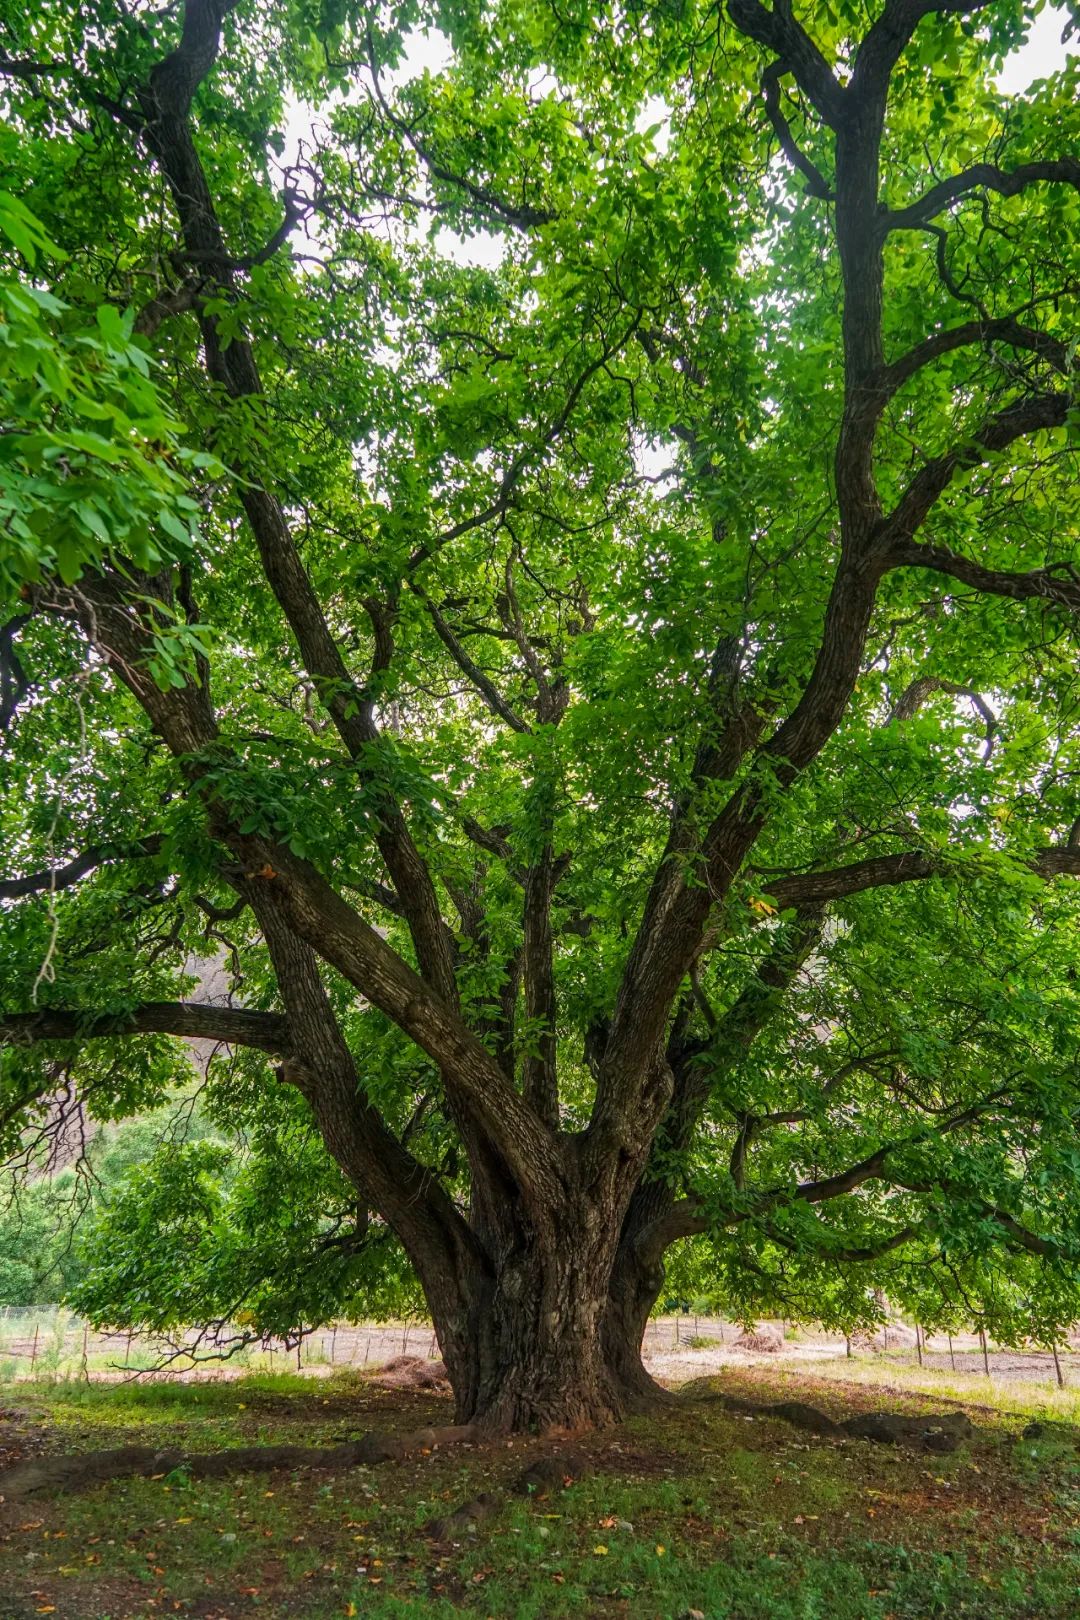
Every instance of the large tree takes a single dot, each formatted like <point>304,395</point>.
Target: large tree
<point>616,715</point>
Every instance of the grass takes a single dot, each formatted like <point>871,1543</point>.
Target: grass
<point>1017,1397</point>
<point>699,1511</point>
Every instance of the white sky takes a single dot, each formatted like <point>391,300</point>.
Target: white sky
<point>1042,55</point>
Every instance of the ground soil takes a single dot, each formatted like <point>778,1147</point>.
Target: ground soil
<point>717,1507</point>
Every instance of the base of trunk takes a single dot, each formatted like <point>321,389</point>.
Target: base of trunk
<point>549,1334</point>
<point>518,1380</point>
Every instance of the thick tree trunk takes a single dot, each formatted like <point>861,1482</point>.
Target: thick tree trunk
<point>553,1332</point>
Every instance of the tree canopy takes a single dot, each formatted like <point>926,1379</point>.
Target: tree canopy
<point>560,570</point>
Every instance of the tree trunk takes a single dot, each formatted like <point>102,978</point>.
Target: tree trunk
<point>632,1294</point>
<point>551,1338</point>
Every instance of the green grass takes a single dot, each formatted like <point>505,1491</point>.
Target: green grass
<point>699,1510</point>
<point>1011,1397</point>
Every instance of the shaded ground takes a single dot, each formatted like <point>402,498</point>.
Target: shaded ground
<point>701,1512</point>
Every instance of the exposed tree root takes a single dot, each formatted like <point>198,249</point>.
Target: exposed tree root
<point>543,1478</point>
<point>937,1431</point>
<point>71,1472</point>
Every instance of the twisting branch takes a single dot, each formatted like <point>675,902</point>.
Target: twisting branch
<point>816,183</point>
<point>925,686</point>
<point>1015,421</point>
<point>778,29</point>
<point>982,176</point>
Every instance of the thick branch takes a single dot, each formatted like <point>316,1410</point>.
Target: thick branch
<point>886,39</point>
<point>1023,1237</point>
<point>816,183</point>
<point>166,102</point>
<point>539,1075</point>
<point>191,1021</point>
<point>1008,331</point>
<point>1023,417</point>
<point>982,176</point>
<point>881,871</point>
<point>64,877</point>
<point>318,914</point>
<point>778,30</point>
<point>379,1165</point>
<point>1046,584</point>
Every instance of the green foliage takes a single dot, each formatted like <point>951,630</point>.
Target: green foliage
<point>92,470</point>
